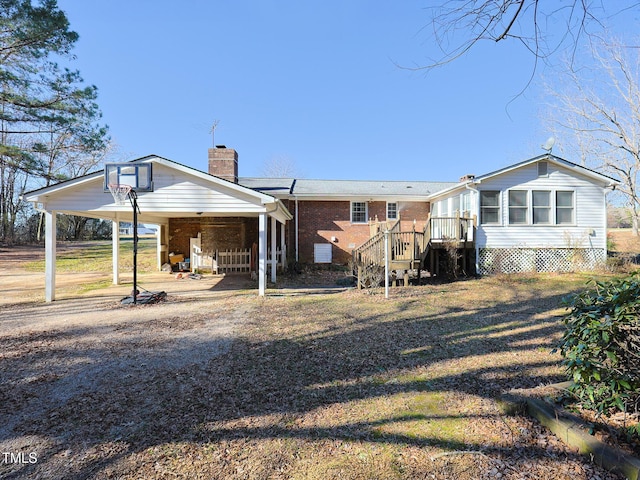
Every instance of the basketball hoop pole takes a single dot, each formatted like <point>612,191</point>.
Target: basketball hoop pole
<point>126,179</point>
<point>134,204</point>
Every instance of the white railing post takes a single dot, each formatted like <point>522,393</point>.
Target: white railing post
<point>386,264</point>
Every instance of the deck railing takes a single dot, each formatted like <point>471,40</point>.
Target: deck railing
<point>411,246</point>
<point>450,229</point>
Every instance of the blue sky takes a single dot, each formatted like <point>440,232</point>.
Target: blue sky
<point>317,83</point>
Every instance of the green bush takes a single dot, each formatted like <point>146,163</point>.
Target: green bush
<point>601,345</point>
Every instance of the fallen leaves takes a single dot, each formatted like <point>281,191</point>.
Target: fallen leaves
<point>345,385</point>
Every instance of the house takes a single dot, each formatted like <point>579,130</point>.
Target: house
<point>541,214</point>
<point>333,217</point>
<point>126,229</point>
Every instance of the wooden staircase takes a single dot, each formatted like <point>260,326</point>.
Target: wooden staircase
<point>414,250</point>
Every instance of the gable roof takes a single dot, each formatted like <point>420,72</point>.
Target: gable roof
<point>475,180</point>
<point>344,189</point>
<point>150,159</point>
<point>247,199</point>
<point>552,159</point>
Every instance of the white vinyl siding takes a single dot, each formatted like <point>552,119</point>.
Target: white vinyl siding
<point>581,222</point>
<point>175,193</point>
<point>359,212</point>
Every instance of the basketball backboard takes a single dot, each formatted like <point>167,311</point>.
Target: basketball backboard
<point>136,175</point>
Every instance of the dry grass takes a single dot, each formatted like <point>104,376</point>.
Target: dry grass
<point>624,240</point>
<point>345,385</point>
<point>95,256</point>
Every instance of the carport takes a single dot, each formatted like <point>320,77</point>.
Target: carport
<point>179,192</point>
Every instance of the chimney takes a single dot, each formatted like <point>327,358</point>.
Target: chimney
<point>467,178</point>
<point>223,163</point>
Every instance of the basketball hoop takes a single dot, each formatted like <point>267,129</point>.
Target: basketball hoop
<point>120,193</point>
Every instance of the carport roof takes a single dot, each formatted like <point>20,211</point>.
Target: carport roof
<point>183,192</point>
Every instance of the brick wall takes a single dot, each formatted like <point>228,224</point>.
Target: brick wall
<point>322,220</point>
<point>319,222</point>
<point>410,211</point>
<point>218,233</point>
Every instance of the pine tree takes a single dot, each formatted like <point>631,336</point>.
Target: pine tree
<point>48,117</point>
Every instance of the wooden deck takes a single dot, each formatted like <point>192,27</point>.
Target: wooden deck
<point>441,238</point>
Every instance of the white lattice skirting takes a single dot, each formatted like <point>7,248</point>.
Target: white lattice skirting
<point>520,260</point>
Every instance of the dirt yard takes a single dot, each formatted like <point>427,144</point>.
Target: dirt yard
<point>307,383</point>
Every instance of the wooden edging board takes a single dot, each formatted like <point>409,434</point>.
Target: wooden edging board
<point>573,432</point>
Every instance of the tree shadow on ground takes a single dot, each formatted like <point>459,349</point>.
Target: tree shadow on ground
<point>265,384</point>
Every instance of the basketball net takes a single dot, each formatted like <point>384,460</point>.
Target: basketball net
<point>120,193</point>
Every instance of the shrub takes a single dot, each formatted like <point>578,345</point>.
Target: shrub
<point>601,345</point>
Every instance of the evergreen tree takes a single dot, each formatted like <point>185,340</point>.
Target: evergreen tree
<point>48,118</point>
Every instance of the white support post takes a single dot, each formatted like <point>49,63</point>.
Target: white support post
<point>115,250</point>
<point>262,253</point>
<point>283,246</point>
<point>274,258</point>
<point>159,247</point>
<point>50,256</point>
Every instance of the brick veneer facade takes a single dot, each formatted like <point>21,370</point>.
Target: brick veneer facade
<point>324,222</point>
<point>218,233</point>
<point>321,221</point>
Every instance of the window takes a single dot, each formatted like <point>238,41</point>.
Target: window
<point>543,169</point>
<point>518,207</point>
<point>392,211</point>
<point>530,207</point>
<point>466,205</point>
<point>433,209</point>
<point>489,206</point>
<point>541,207</point>
<point>358,212</point>
<point>564,208</point>
<point>455,205</point>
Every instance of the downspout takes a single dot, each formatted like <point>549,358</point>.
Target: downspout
<point>477,208</point>
<point>297,241</point>
<point>291,192</point>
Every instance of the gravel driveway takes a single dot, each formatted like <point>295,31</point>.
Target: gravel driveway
<point>63,360</point>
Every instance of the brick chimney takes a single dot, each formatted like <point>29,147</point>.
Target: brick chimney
<point>467,178</point>
<point>223,163</point>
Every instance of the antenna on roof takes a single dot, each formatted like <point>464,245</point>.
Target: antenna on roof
<point>213,132</point>
<point>548,145</point>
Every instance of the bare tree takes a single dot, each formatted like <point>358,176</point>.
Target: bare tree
<point>543,28</point>
<point>597,110</point>
<point>280,166</point>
